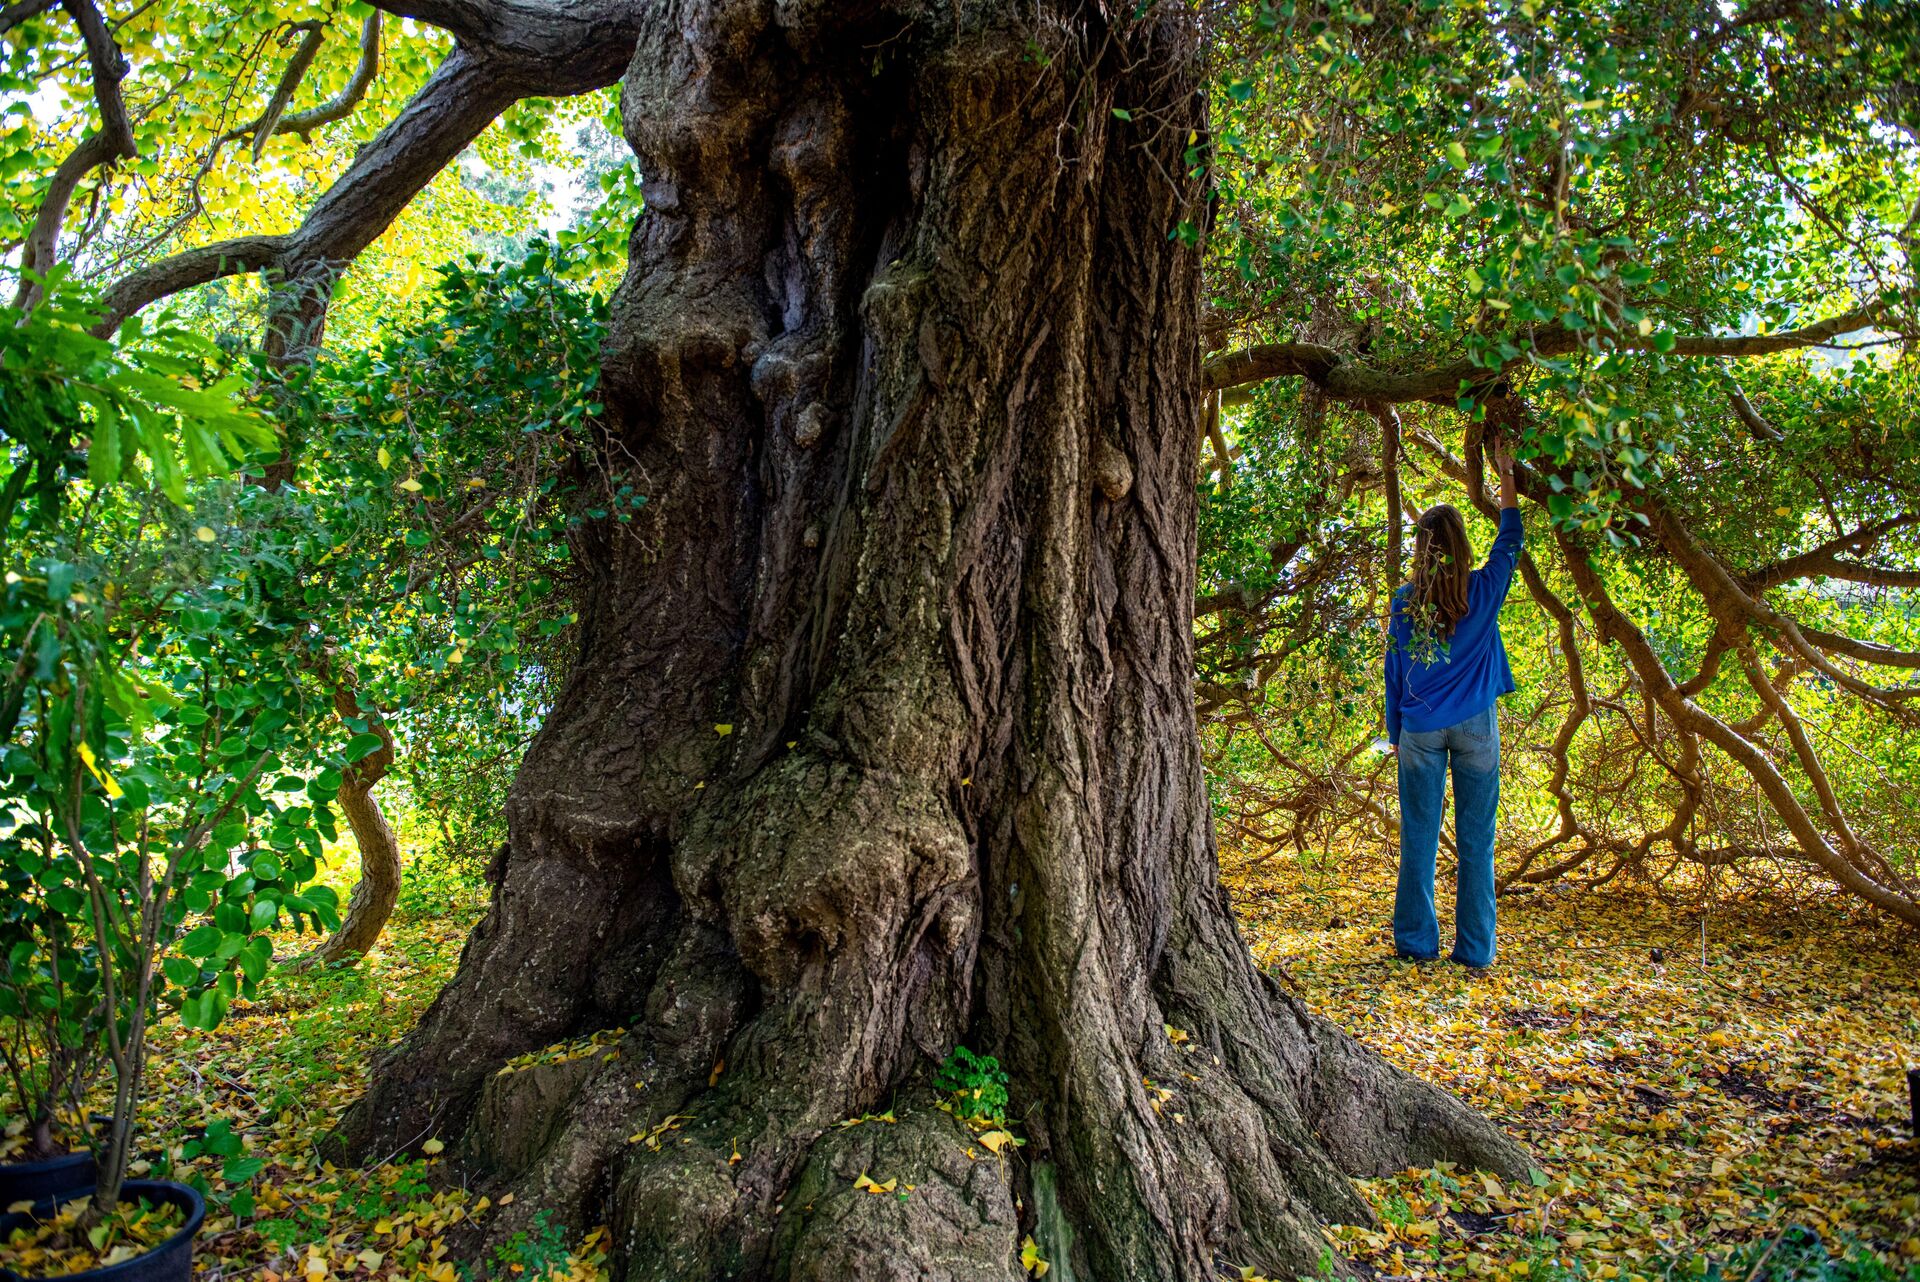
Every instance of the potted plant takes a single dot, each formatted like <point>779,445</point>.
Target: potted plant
<point>165,841</point>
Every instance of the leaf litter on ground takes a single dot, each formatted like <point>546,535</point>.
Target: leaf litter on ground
<point>1724,1117</point>
<point>1697,1086</point>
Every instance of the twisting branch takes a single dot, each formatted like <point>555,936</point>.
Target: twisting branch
<point>1866,651</point>
<point>112,141</point>
<point>1727,599</point>
<point>109,67</point>
<point>1210,430</point>
<point>1744,411</point>
<point>1390,472</point>
<point>342,103</point>
<point>1738,612</point>
<point>1683,712</point>
<point>312,34</point>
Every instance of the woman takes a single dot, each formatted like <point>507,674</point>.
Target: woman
<point>1446,665</point>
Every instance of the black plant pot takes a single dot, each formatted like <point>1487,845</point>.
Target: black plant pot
<point>171,1261</point>
<point>49,1177</point>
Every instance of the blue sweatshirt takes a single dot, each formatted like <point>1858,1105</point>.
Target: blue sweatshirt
<point>1469,671</point>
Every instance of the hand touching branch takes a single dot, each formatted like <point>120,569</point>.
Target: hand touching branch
<point>1503,466</point>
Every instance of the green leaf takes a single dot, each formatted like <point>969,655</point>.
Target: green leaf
<point>181,971</point>
<point>238,1170</point>
<point>361,746</point>
<point>202,940</point>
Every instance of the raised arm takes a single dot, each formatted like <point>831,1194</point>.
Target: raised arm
<point>1504,555</point>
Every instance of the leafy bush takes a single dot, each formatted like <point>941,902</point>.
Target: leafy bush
<point>165,804</point>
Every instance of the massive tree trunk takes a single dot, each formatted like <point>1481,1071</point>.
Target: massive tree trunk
<point>881,739</point>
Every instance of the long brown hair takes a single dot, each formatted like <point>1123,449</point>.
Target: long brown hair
<point>1442,562</point>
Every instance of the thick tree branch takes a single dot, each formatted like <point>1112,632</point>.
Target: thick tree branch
<point>1349,380</point>
<point>1866,651</point>
<point>112,141</point>
<point>15,14</point>
<point>1618,628</point>
<point>185,270</point>
<point>1743,408</point>
<point>1822,558</point>
<point>109,68</point>
<point>575,45</point>
<point>459,101</point>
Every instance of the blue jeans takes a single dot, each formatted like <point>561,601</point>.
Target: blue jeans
<point>1472,748</point>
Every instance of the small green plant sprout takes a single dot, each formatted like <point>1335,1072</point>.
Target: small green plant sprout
<point>973,1088</point>
<point>536,1251</point>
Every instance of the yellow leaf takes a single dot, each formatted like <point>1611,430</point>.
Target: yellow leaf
<point>107,781</point>
<point>1030,1258</point>
<point>432,1146</point>
<point>205,534</point>
<point>996,1140</point>
<point>723,730</point>
<point>1175,1035</point>
<point>410,485</point>
<point>1783,511</point>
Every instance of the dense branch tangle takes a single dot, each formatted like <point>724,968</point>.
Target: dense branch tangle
<point>1714,768</point>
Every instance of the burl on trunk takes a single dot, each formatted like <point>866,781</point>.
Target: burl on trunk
<point>881,739</point>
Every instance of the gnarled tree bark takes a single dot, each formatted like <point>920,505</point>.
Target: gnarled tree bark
<point>881,739</point>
